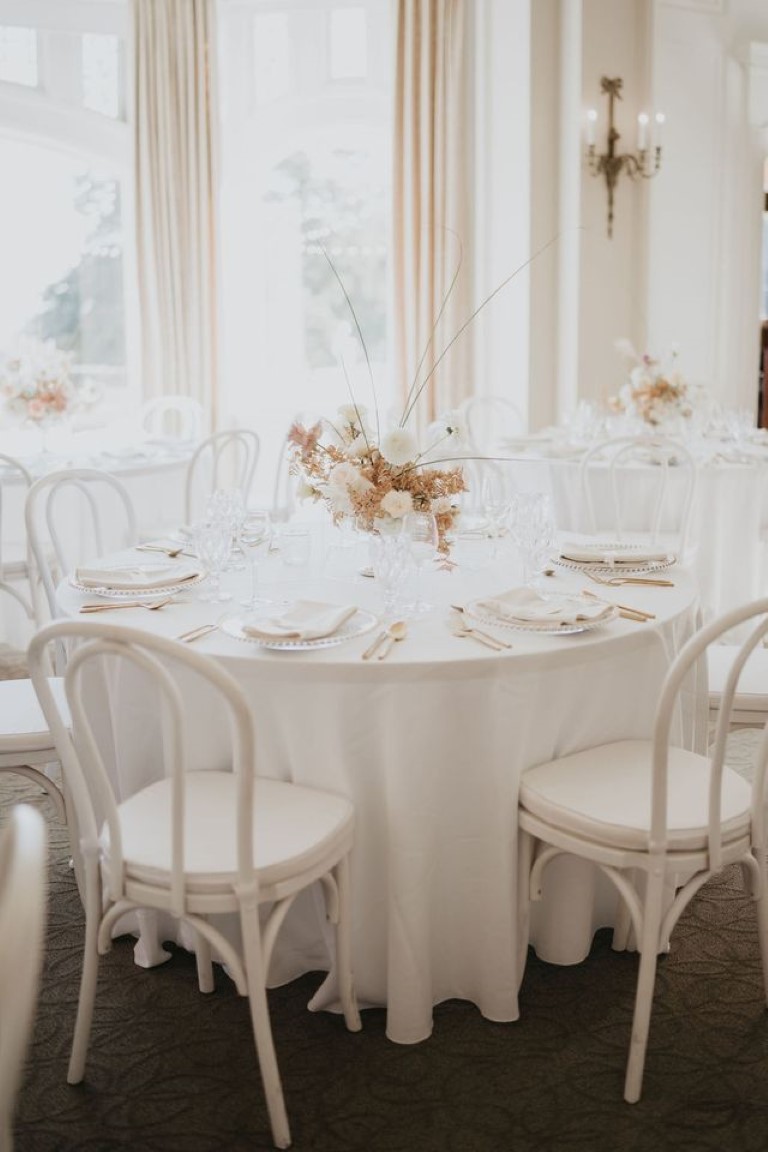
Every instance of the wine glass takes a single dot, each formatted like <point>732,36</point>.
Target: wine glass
<point>255,536</point>
<point>420,529</point>
<point>213,541</point>
<point>533,530</point>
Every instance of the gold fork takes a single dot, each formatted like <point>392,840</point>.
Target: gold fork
<point>151,605</point>
<point>617,581</point>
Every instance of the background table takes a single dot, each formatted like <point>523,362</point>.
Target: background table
<point>430,745</point>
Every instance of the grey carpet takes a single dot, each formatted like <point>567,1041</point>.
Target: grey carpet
<point>170,1070</point>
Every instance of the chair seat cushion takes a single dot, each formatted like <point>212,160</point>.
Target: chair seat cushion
<point>752,694</point>
<point>295,828</point>
<point>22,725</point>
<point>605,793</point>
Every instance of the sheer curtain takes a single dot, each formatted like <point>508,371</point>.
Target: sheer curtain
<point>431,223</point>
<point>176,145</point>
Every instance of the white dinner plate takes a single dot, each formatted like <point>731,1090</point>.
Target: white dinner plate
<point>547,627</point>
<point>356,625</point>
<point>624,568</point>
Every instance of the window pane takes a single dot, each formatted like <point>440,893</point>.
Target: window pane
<point>18,55</point>
<point>349,44</point>
<point>62,275</point>
<point>101,74</point>
<point>306,176</point>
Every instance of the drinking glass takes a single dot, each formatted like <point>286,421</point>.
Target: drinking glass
<point>420,529</point>
<point>532,527</point>
<point>227,506</point>
<point>255,536</point>
<point>212,543</point>
<point>391,562</point>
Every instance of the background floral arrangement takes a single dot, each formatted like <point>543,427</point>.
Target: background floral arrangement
<point>375,480</point>
<point>36,382</point>
<point>653,392</point>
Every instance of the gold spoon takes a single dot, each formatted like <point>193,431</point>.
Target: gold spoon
<point>395,632</point>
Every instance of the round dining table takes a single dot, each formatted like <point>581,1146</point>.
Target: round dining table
<point>430,743</point>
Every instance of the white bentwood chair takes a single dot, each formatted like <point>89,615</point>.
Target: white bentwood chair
<point>15,560</point>
<point>652,816</point>
<point>489,419</point>
<point>226,459</point>
<point>648,507</point>
<point>172,418</point>
<point>74,515</point>
<point>23,893</point>
<point>194,842</point>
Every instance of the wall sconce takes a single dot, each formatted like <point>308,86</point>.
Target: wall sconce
<point>643,164</point>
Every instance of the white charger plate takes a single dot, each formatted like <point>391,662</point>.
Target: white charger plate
<point>626,567</point>
<point>356,625</point>
<point>546,627</point>
<point>157,591</point>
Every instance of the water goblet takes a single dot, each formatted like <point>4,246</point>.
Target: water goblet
<point>254,537</point>
<point>533,531</point>
<point>227,505</point>
<point>420,529</point>
<point>212,544</point>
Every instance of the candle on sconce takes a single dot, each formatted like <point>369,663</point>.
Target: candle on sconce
<point>660,122</point>
<point>642,132</point>
<point>591,125</point>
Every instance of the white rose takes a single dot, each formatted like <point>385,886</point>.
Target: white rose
<point>397,504</point>
<point>359,447</point>
<point>399,447</point>
<point>342,476</point>
<point>305,491</point>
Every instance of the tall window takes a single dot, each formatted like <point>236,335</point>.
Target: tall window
<point>306,94</point>
<point>65,159</point>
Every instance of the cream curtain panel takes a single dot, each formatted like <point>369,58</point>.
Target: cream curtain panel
<point>431,220</point>
<point>176,139</point>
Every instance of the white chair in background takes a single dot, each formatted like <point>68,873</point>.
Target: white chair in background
<point>226,459</point>
<point>638,471</point>
<point>193,843</point>
<point>75,515</point>
<point>489,421</point>
<point>172,418</point>
<point>653,816</point>
<point>750,704</point>
<point>23,894</point>
<point>16,566</point>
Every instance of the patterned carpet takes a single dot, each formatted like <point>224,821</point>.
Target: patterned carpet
<point>172,1071</point>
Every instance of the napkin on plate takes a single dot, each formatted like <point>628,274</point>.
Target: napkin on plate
<point>525,605</point>
<point>304,620</point>
<point>136,577</point>
<point>604,554</point>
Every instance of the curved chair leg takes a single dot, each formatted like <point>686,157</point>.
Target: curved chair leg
<point>649,948</point>
<point>262,1029</point>
<point>622,928</point>
<point>525,849</point>
<point>48,786</point>
<point>344,950</point>
<point>89,975</point>
<point>762,920</point>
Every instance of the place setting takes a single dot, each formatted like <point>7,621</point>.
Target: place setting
<point>615,559</point>
<point>299,626</point>
<point>151,585</point>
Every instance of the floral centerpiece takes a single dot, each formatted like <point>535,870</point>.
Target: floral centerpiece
<point>654,392</point>
<point>376,480</point>
<point>36,382</point>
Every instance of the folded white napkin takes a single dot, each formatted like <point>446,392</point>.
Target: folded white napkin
<point>604,554</point>
<point>527,606</point>
<point>137,576</point>
<point>304,620</point>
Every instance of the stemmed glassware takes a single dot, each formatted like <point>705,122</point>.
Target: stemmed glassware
<point>213,542</point>
<point>420,529</point>
<point>255,536</point>
<point>532,527</point>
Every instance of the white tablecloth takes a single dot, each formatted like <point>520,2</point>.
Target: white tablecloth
<point>430,744</point>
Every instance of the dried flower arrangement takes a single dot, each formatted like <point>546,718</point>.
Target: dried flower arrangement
<point>36,382</point>
<point>653,392</point>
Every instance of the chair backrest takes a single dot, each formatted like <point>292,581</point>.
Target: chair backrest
<point>489,419</point>
<point>647,485</point>
<point>172,417</point>
<point>226,459</point>
<point>23,894</point>
<point>684,671</point>
<point>75,515</point>
<point>21,480</point>
<point>177,685</point>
